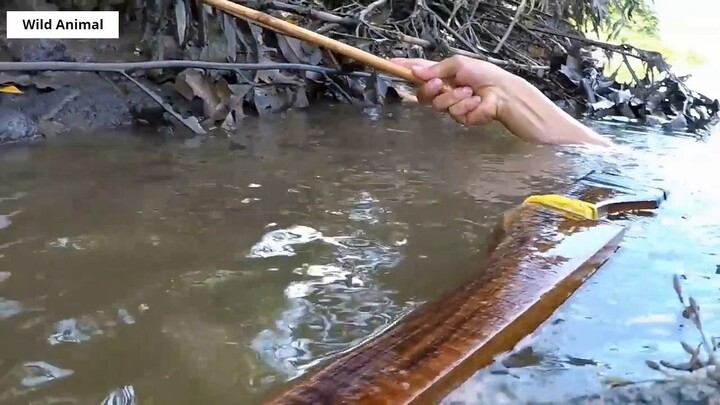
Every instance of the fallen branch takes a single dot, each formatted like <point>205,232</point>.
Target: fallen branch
<point>303,34</point>
<point>191,123</point>
<point>514,21</point>
<point>337,21</point>
<point>123,67</point>
<point>310,13</point>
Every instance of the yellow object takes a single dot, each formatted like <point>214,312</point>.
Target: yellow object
<point>579,208</point>
<point>10,89</point>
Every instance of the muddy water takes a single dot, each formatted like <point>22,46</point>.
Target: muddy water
<point>215,271</point>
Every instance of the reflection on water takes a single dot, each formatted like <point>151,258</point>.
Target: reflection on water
<point>213,271</point>
<point>628,312</point>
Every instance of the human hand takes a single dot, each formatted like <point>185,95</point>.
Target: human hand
<point>484,92</point>
<point>478,94</point>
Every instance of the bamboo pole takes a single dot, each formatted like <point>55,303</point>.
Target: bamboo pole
<point>295,31</point>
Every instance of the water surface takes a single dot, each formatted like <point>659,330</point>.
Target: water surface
<point>628,312</point>
<point>214,271</point>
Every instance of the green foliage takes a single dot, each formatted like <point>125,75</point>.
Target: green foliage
<point>636,15</point>
<point>643,34</point>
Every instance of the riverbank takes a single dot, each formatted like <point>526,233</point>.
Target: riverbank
<point>53,103</point>
<point>551,54</point>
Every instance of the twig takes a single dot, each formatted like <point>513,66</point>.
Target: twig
<point>308,12</point>
<point>331,18</point>
<point>457,35</point>
<point>191,124</point>
<point>632,72</point>
<point>603,45</point>
<point>457,5</point>
<point>425,43</point>
<point>123,67</point>
<point>339,89</point>
<point>369,9</point>
<point>474,8</point>
<point>514,21</point>
<point>327,28</point>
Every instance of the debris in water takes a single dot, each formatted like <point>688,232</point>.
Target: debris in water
<point>40,372</point>
<point>9,308</point>
<point>695,365</point>
<point>298,289</point>
<point>68,243</point>
<point>121,396</point>
<point>125,316</point>
<point>218,277</point>
<point>72,331</point>
<point>277,242</point>
<point>4,221</point>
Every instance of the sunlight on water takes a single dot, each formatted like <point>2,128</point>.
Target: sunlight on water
<point>334,306</point>
<point>188,273</point>
<point>627,313</point>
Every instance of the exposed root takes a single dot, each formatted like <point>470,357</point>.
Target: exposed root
<point>531,38</point>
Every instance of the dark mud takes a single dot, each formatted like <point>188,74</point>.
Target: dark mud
<point>58,102</point>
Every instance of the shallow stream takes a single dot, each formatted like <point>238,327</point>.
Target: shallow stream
<point>212,271</point>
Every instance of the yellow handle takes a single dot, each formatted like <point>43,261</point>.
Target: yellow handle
<point>580,208</point>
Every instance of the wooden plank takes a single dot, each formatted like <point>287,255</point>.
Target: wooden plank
<point>536,260</point>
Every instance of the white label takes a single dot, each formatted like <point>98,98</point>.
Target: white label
<point>63,24</point>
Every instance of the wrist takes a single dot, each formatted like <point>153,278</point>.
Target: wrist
<point>507,91</point>
<point>523,110</point>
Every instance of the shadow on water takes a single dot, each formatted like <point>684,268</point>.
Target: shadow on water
<point>212,271</point>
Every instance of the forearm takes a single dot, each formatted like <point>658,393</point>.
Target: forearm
<point>531,116</point>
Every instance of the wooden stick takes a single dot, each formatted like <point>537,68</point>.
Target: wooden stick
<point>292,30</point>
<point>537,258</point>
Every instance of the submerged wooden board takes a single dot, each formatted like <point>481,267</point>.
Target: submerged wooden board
<point>537,259</point>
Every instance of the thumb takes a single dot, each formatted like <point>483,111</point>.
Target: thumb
<point>410,62</point>
<point>446,68</point>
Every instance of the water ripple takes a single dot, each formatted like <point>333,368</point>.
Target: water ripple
<point>333,307</point>
<point>9,308</point>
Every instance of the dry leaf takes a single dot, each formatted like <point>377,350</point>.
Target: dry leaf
<point>231,35</point>
<point>268,100</point>
<point>237,112</point>
<point>297,51</point>
<point>10,89</point>
<point>181,19</point>
<point>216,95</point>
